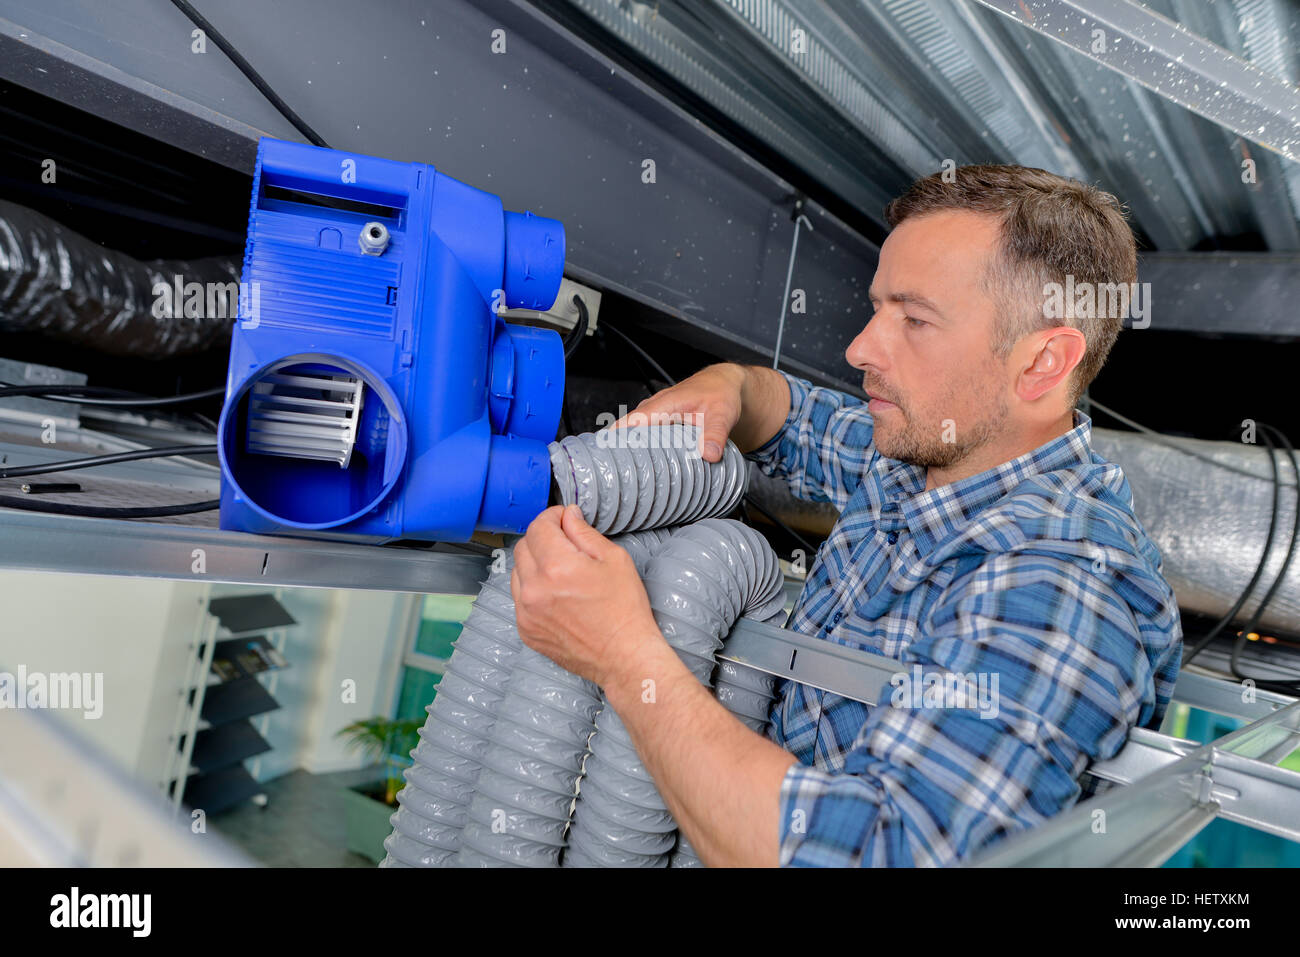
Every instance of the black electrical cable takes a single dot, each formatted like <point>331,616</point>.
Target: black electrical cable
<point>106,511</point>
<point>1265,430</point>
<point>579,330</point>
<point>1174,444</point>
<point>1249,628</point>
<point>247,69</point>
<point>1290,688</point>
<point>110,398</point>
<point>1259,568</point>
<point>204,421</point>
<point>69,465</point>
<point>60,393</point>
<point>642,353</point>
<point>571,344</point>
<point>98,395</point>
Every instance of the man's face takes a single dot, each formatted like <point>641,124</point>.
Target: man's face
<point>937,391</point>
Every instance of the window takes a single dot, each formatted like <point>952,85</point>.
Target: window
<point>428,648</point>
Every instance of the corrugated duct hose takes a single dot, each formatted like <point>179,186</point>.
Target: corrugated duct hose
<point>521,763</point>
<point>57,282</point>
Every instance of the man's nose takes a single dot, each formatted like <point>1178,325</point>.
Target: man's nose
<point>864,350</point>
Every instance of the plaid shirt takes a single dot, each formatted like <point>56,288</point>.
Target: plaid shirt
<point>1030,587</point>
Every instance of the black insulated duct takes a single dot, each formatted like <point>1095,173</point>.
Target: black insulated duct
<point>58,283</point>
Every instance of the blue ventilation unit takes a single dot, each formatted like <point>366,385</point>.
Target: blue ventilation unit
<point>374,391</point>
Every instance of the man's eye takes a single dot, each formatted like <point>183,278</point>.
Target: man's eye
<point>913,322</point>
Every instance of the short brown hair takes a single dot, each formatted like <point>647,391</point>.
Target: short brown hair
<point>1051,227</point>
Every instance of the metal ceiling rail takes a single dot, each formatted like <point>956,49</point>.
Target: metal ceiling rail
<point>1227,697</point>
<point>63,803</point>
<point>1173,787</point>
<point>861,675</point>
<point>1144,752</point>
<point>99,546</point>
<point>1170,60</point>
<point>825,665</point>
<point>1142,825</point>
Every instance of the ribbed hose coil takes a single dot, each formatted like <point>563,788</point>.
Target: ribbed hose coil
<point>510,735</point>
<point>525,793</point>
<point>645,477</point>
<point>706,577</point>
<point>440,783</point>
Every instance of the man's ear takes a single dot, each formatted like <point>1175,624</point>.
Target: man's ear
<point>1053,355</point>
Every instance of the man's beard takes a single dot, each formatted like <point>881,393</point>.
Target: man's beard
<point>923,445</point>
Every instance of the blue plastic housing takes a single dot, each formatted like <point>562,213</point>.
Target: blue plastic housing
<point>458,405</point>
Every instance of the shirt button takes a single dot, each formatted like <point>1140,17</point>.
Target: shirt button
<point>839,616</point>
<point>892,537</point>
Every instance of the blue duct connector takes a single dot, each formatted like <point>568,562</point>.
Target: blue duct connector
<point>374,392</point>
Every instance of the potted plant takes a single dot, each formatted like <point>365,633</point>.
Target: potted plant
<point>368,806</point>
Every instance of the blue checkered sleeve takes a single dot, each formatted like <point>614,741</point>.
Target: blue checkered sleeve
<point>824,447</point>
<point>1051,660</point>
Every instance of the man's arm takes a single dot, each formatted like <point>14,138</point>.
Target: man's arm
<point>764,405</point>
<point>721,780</point>
<point>824,446</point>
<point>819,440</point>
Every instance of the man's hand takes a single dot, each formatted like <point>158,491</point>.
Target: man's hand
<point>578,598</point>
<point>580,602</point>
<point>710,399</point>
<point>747,404</point>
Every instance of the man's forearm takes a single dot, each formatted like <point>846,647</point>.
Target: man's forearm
<point>721,780</point>
<point>764,405</point>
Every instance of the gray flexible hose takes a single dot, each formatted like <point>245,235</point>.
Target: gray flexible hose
<point>706,577</point>
<point>748,694</point>
<point>511,736</point>
<point>440,783</point>
<point>645,477</point>
<point>520,813</point>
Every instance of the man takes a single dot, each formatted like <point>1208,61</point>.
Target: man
<point>979,535</point>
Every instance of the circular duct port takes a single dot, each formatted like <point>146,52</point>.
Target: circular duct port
<point>313,441</point>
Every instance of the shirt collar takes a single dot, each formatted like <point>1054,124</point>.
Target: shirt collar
<point>936,515</point>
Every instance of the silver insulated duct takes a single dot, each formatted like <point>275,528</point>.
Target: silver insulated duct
<point>1210,521</point>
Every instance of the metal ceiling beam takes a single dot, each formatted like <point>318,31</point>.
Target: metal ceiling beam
<point>859,171</point>
<point>1223,293</point>
<point>1168,59</point>
<point>947,65</point>
<point>1267,205</point>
